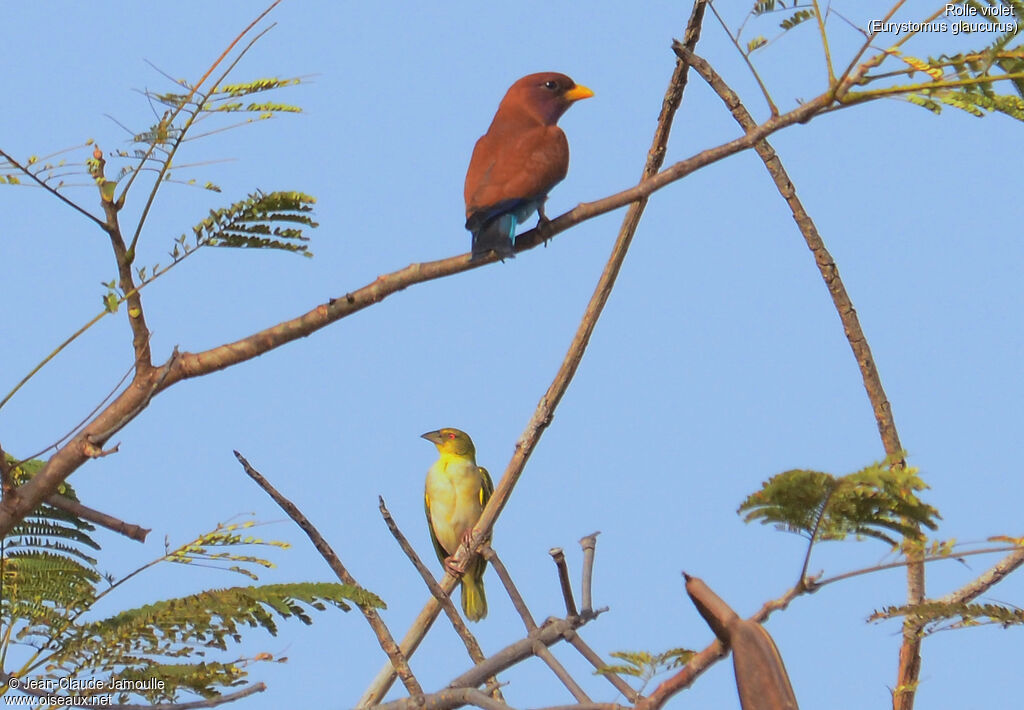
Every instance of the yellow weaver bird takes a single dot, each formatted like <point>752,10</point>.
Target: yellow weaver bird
<point>456,492</point>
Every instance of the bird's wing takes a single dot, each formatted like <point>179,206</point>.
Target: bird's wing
<point>486,486</point>
<point>442,554</point>
<point>486,491</point>
<point>506,167</point>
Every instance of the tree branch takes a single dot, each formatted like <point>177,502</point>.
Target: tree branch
<point>510,588</point>
<point>910,650</point>
<point>109,522</point>
<point>384,638</point>
<point>986,580</point>
<point>563,580</point>
<point>124,257</point>
<point>53,191</point>
<point>551,632</point>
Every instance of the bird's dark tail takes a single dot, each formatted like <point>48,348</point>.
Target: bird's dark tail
<point>495,235</point>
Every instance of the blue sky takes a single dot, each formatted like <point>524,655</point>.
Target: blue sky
<point>719,360</point>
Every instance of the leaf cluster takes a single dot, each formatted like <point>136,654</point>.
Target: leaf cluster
<point>646,665</point>
<point>48,569</point>
<point>875,502</point>
<point>51,583</point>
<point>260,221</point>
<point>967,80</point>
<point>939,615</point>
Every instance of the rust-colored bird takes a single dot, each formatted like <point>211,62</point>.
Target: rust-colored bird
<point>520,158</point>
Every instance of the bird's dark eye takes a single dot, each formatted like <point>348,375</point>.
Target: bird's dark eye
<point>551,85</point>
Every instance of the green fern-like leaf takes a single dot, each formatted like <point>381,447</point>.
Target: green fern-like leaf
<point>978,104</point>
<point>942,615</point>
<point>48,571</point>
<point>255,86</point>
<point>873,502</point>
<point>161,682</point>
<point>644,664</point>
<point>924,102</point>
<point>254,223</point>
<point>762,7</point>
<point>756,43</point>
<point>796,18</point>
<point>186,627</point>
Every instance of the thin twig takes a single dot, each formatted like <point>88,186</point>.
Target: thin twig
<point>384,638</point>
<point>510,588</point>
<point>589,544</point>
<point>544,653</point>
<point>824,41</point>
<point>109,522</point>
<point>84,419</point>
<point>843,83</point>
<point>52,190</point>
<point>985,581</point>
<point>551,632</point>
<point>563,580</point>
<point>823,507</point>
<point>599,664</point>
<point>1001,568</point>
<point>168,120</point>
<point>746,58</point>
<point>123,257</point>
<point>67,341</point>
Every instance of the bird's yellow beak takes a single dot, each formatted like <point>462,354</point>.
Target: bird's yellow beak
<point>578,92</point>
<point>433,437</point>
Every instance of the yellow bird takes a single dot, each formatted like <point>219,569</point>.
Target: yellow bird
<point>456,492</point>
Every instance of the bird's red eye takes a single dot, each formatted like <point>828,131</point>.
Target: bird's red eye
<point>451,435</point>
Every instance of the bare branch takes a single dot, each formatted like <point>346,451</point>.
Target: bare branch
<point>544,654</point>
<point>102,519</point>
<point>506,579</point>
<point>447,699</point>
<point>595,660</point>
<point>563,580</point>
<point>985,581</point>
<point>384,638</point>
<point>588,543</point>
<point>123,257</point>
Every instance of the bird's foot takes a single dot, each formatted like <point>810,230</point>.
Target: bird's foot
<point>457,569</point>
<point>542,227</point>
